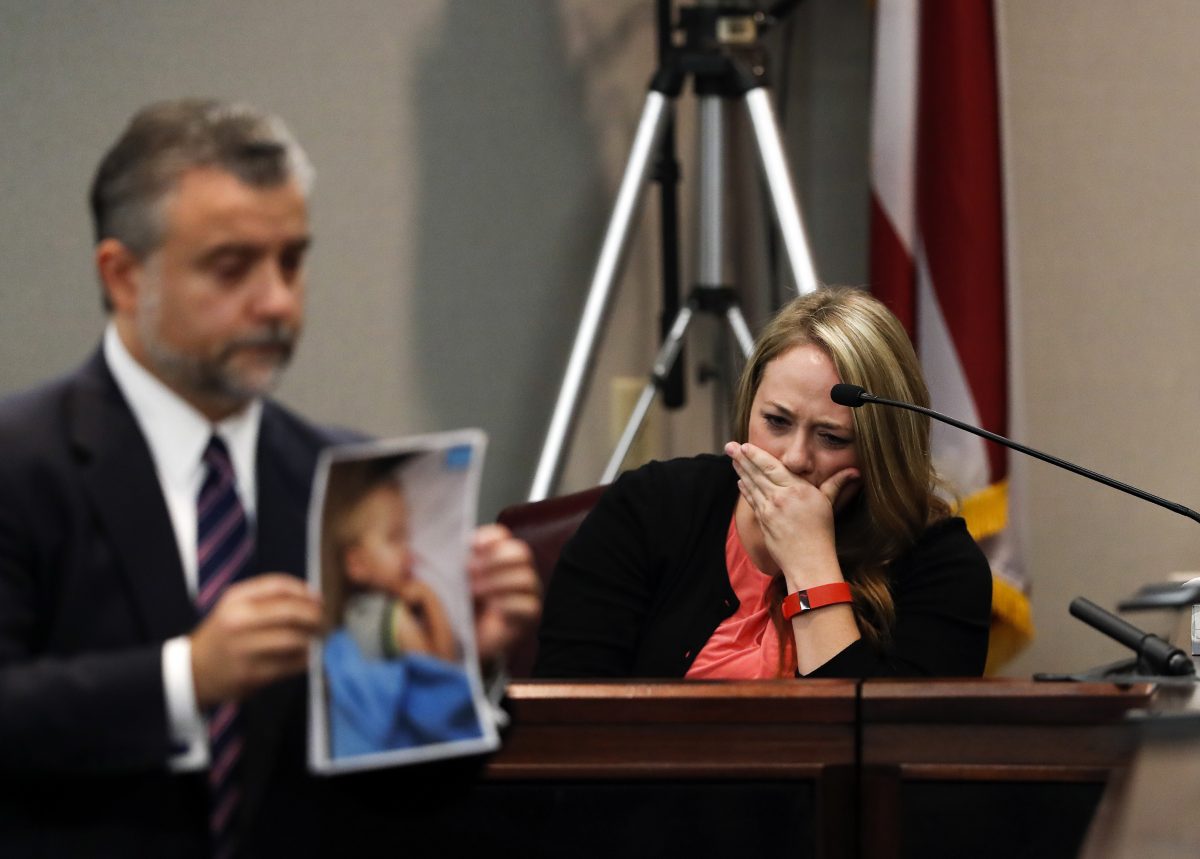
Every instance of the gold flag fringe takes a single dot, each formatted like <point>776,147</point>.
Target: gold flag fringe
<point>986,513</point>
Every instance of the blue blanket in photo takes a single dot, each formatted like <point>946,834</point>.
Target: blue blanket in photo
<point>376,705</point>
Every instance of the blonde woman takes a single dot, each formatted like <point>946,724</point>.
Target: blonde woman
<point>818,545</point>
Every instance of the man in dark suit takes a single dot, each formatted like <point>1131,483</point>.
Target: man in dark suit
<point>119,647</point>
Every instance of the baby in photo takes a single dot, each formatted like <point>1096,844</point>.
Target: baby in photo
<point>387,610</point>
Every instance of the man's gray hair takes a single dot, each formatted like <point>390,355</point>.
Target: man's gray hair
<point>166,139</point>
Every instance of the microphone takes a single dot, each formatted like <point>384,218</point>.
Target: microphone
<point>849,395</point>
<point>855,396</point>
<point>1155,655</point>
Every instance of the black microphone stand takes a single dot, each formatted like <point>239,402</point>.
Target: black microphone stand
<point>1155,657</point>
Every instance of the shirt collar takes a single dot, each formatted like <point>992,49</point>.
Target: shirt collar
<point>175,431</point>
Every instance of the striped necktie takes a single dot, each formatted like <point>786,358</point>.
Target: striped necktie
<point>223,548</point>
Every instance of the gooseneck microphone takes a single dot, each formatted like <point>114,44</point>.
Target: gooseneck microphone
<point>854,396</point>
<point>1155,656</point>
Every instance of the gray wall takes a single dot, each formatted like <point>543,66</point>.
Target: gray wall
<point>467,152</point>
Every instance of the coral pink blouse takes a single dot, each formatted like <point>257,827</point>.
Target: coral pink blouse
<point>745,645</point>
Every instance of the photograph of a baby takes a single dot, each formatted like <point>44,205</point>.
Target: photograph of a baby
<point>395,674</point>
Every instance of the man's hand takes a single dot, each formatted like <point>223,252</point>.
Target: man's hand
<point>506,590</point>
<point>258,632</point>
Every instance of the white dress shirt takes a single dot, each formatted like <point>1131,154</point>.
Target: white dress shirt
<point>177,436</point>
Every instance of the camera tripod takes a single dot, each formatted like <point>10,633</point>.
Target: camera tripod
<point>721,53</point>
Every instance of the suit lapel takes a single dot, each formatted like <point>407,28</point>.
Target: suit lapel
<point>119,478</point>
<point>284,475</point>
<point>286,459</point>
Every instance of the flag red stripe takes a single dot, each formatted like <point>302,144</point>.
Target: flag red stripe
<point>959,196</point>
<point>893,274</point>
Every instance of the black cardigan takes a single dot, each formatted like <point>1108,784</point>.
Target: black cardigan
<point>642,585</point>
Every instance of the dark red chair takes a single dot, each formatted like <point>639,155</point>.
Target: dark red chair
<point>546,526</point>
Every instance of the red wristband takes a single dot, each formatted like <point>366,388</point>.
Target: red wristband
<point>818,597</point>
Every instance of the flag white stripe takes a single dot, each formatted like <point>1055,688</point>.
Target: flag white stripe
<point>960,457</point>
<point>894,107</point>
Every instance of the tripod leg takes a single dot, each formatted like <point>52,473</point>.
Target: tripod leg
<point>783,195</point>
<point>741,331</point>
<point>636,418</point>
<point>612,252</point>
<point>710,184</point>
<point>663,362</point>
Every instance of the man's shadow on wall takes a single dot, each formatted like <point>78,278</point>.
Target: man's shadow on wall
<point>513,207</point>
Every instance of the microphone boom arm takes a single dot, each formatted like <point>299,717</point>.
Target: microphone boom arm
<point>1036,454</point>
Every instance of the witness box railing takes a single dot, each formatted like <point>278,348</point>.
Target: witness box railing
<point>832,768</point>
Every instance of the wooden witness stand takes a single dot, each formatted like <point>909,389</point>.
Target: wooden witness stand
<point>829,768</point>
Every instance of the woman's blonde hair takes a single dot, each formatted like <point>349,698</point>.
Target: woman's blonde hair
<point>898,499</point>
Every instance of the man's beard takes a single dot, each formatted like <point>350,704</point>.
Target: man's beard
<point>220,378</point>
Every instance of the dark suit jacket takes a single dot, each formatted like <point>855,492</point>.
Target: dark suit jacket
<point>90,588</point>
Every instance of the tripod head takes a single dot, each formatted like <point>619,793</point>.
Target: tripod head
<point>721,45</point>
<point>720,26</point>
<point>730,23</point>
